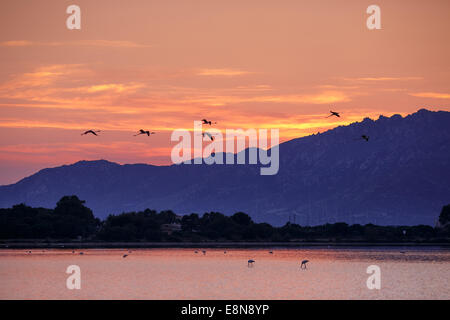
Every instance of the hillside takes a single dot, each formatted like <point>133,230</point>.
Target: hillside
<point>400,176</point>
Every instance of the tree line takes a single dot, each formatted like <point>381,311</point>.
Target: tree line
<point>71,219</point>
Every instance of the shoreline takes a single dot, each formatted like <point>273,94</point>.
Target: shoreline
<point>224,244</point>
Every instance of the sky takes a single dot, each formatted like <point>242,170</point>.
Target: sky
<point>160,65</point>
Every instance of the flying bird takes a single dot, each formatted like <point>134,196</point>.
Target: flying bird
<point>125,255</point>
<point>204,121</point>
<point>94,132</point>
<point>333,113</point>
<point>250,263</point>
<point>304,262</point>
<point>208,134</point>
<point>142,131</point>
<point>365,137</point>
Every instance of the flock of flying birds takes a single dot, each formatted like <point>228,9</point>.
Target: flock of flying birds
<point>208,122</point>
<point>209,135</point>
<point>148,132</point>
<point>336,114</point>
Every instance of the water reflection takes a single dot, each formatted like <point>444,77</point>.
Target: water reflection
<point>332,273</point>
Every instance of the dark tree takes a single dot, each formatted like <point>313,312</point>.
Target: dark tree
<point>241,218</point>
<point>72,206</point>
<point>444,217</point>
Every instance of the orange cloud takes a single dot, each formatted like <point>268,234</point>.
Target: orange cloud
<point>88,43</point>
<point>378,79</point>
<point>433,95</point>
<point>222,72</point>
<point>325,97</point>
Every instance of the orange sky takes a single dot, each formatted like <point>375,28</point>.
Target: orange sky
<point>160,65</point>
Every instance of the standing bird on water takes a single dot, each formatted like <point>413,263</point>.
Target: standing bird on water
<point>94,132</point>
<point>142,131</point>
<point>304,262</point>
<point>333,113</point>
<point>250,263</point>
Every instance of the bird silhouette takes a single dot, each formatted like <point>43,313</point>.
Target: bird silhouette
<point>142,131</point>
<point>204,121</point>
<point>333,113</point>
<point>94,132</point>
<point>125,255</point>
<point>204,252</point>
<point>304,262</point>
<point>208,134</point>
<point>271,252</point>
<point>365,137</point>
<point>250,263</point>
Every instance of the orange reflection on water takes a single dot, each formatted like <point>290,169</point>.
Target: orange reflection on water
<point>184,274</point>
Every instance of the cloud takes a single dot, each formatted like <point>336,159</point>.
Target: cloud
<point>16,43</point>
<point>222,72</point>
<point>380,79</point>
<point>88,43</point>
<point>324,97</point>
<point>116,87</point>
<point>433,95</point>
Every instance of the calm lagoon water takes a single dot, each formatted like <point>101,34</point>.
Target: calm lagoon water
<point>406,273</point>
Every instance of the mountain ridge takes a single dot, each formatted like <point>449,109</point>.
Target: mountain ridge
<point>397,177</point>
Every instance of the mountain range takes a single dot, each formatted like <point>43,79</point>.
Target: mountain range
<point>399,177</point>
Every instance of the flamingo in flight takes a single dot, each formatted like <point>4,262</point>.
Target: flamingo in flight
<point>142,131</point>
<point>204,121</point>
<point>208,134</point>
<point>333,113</point>
<point>94,132</point>
<point>365,137</point>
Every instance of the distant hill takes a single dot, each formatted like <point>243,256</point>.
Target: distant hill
<point>400,176</point>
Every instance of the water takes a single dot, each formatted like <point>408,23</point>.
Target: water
<point>183,274</point>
